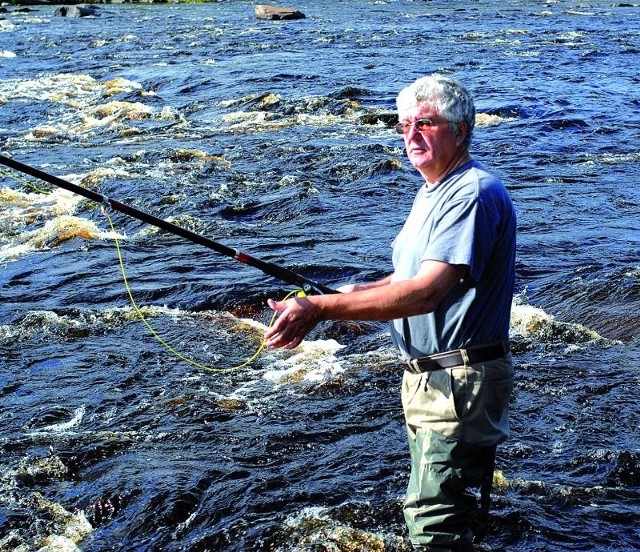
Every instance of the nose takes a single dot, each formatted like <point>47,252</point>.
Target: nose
<point>413,130</point>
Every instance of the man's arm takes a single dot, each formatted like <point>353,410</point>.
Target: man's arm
<point>380,301</point>
<point>349,288</point>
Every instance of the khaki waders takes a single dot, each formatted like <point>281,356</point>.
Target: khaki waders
<point>455,419</point>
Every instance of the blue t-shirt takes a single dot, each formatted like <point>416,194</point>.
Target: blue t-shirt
<point>466,219</point>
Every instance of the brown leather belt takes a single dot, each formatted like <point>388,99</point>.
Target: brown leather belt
<point>457,357</point>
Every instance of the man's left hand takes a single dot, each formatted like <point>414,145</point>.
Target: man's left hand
<point>298,316</point>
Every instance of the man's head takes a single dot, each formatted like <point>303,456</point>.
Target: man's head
<point>437,117</point>
<point>447,96</point>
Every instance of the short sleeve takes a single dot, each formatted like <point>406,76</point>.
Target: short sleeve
<point>463,235</point>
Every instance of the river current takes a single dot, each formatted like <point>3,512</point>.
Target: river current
<point>276,139</point>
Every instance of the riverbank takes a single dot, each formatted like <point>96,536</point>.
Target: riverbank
<point>26,3</point>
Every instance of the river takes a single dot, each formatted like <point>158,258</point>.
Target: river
<point>276,139</point>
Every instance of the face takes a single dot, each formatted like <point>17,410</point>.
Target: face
<point>435,149</point>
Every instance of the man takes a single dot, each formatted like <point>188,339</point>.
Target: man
<point>449,302</point>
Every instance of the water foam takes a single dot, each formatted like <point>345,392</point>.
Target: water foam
<point>314,527</point>
<point>63,427</point>
<point>62,529</point>
<point>534,324</point>
<point>312,361</point>
<point>22,210</point>
<point>52,234</point>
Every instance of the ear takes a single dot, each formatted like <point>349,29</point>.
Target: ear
<point>462,133</point>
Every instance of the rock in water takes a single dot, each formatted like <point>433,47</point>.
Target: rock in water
<point>277,12</point>
<point>80,10</point>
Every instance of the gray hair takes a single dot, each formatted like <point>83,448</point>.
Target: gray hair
<point>448,96</point>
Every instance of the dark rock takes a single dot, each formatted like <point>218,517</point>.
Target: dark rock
<point>277,13</point>
<point>81,10</point>
<point>388,118</point>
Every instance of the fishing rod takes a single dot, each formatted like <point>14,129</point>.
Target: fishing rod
<point>307,285</point>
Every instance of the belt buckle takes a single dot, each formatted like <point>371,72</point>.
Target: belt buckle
<point>421,365</point>
<point>411,366</point>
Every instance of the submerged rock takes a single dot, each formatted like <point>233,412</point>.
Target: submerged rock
<point>264,11</point>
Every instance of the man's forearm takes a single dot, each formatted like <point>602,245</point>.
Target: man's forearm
<point>386,299</point>
<point>379,302</point>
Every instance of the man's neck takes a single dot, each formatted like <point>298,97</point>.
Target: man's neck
<point>460,158</point>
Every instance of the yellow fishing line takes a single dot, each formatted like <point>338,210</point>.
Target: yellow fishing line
<point>23,181</point>
<point>160,339</point>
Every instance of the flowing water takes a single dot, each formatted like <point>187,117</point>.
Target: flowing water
<point>275,138</point>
